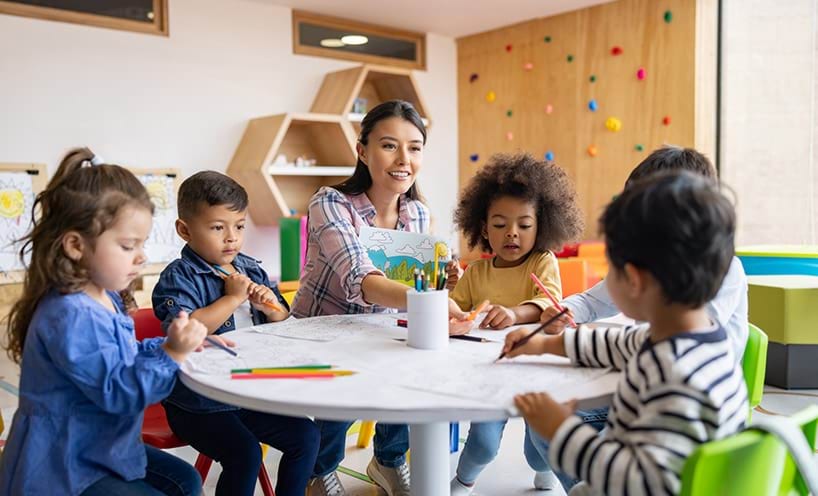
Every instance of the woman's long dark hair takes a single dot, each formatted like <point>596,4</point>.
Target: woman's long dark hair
<point>361,180</point>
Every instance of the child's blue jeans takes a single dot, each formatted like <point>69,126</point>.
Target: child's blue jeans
<point>391,443</point>
<point>482,446</point>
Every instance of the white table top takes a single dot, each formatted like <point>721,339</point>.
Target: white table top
<point>394,383</point>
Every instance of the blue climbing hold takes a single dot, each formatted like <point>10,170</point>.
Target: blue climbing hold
<point>474,157</point>
<point>592,105</point>
<point>549,156</point>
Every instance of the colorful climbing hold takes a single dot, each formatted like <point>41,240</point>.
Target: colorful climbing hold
<point>592,78</point>
<point>509,136</point>
<point>528,66</point>
<point>549,156</point>
<point>616,50</point>
<point>668,16</point>
<point>473,77</point>
<point>666,120</point>
<point>569,58</point>
<point>613,124</point>
<point>593,105</point>
<point>549,108</point>
<point>509,113</point>
<point>593,151</point>
<point>547,39</point>
<point>639,147</point>
<point>474,157</point>
<point>491,96</point>
<point>641,74</point>
<point>508,47</point>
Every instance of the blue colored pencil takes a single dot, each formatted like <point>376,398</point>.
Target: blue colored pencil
<point>217,344</point>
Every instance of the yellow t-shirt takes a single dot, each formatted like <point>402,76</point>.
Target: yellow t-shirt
<point>509,286</point>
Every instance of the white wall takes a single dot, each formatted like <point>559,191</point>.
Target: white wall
<point>183,101</point>
<point>768,118</point>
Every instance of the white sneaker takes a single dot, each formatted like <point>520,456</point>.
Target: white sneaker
<point>328,485</point>
<point>457,488</point>
<point>395,481</point>
<point>545,481</point>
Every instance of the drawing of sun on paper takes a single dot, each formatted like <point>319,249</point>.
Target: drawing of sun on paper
<point>163,244</point>
<point>16,203</point>
<point>399,253</point>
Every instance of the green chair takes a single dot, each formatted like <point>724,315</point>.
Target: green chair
<point>754,365</point>
<point>750,463</point>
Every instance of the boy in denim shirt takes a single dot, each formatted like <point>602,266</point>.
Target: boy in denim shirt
<point>212,214</point>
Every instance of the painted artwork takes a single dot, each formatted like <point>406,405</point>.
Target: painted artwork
<point>16,202</point>
<point>399,253</point>
<point>163,244</point>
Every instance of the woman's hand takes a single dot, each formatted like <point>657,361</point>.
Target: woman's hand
<point>453,274</point>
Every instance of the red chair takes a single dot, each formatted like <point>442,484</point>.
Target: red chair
<point>155,429</point>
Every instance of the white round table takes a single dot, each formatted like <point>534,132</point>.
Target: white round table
<point>393,383</point>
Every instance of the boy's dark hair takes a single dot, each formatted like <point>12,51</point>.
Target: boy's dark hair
<point>212,188</point>
<point>545,185</point>
<point>673,158</point>
<point>677,226</point>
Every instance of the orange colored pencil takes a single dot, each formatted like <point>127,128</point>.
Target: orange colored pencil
<point>476,311</point>
<point>550,296</point>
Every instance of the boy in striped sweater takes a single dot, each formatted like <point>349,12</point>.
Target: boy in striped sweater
<point>669,240</point>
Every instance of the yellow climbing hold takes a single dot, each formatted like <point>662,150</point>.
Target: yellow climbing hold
<point>491,96</point>
<point>613,124</point>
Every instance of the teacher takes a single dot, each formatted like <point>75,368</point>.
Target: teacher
<point>339,277</point>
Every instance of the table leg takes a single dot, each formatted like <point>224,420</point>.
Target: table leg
<point>430,458</point>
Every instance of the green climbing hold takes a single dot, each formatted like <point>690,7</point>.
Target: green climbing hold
<point>570,58</point>
<point>668,16</point>
<point>639,148</point>
<point>508,112</point>
<point>592,78</point>
<point>547,39</point>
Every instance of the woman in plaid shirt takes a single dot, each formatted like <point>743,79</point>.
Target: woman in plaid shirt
<point>339,277</point>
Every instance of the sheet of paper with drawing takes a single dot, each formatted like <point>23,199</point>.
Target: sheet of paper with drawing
<point>16,203</point>
<point>326,328</point>
<point>163,244</point>
<point>399,253</point>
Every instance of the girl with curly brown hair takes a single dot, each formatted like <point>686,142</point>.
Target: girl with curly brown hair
<point>519,209</point>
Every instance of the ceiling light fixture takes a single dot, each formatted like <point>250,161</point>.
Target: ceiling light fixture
<point>332,43</point>
<point>355,39</point>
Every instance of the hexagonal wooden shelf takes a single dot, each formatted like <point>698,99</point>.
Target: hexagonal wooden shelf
<point>277,190</point>
<point>375,83</point>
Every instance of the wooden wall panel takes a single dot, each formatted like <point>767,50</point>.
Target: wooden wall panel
<point>667,51</point>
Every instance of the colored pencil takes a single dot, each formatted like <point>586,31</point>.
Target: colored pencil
<point>293,375</point>
<point>291,367</point>
<point>474,313</point>
<point>269,304</point>
<point>476,339</point>
<point>530,335</point>
<point>549,295</point>
<point>217,344</point>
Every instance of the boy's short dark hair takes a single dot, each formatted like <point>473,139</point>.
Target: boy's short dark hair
<point>677,226</point>
<point>672,158</point>
<point>212,188</point>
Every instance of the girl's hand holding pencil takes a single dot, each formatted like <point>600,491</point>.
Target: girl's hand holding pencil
<point>184,336</point>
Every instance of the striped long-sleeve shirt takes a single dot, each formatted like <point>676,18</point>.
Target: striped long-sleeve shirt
<point>672,396</point>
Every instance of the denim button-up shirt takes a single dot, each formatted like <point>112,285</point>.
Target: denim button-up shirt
<point>84,384</point>
<point>190,283</point>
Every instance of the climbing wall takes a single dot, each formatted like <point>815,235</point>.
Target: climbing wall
<point>594,90</point>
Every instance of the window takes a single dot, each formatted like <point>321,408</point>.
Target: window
<point>336,38</point>
<point>145,16</point>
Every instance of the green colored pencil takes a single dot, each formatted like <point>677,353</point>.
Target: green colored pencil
<point>299,367</point>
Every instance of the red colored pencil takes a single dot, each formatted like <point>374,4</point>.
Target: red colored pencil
<point>549,295</point>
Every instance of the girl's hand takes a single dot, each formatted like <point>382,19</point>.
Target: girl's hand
<point>238,286</point>
<point>543,413</point>
<point>215,337</point>
<point>184,335</point>
<point>558,325</point>
<point>498,317</point>
<point>453,274</point>
<point>534,346</point>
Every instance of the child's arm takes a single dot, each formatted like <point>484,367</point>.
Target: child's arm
<point>545,266</point>
<point>236,291</point>
<point>600,347</point>
<point>500,317</point>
